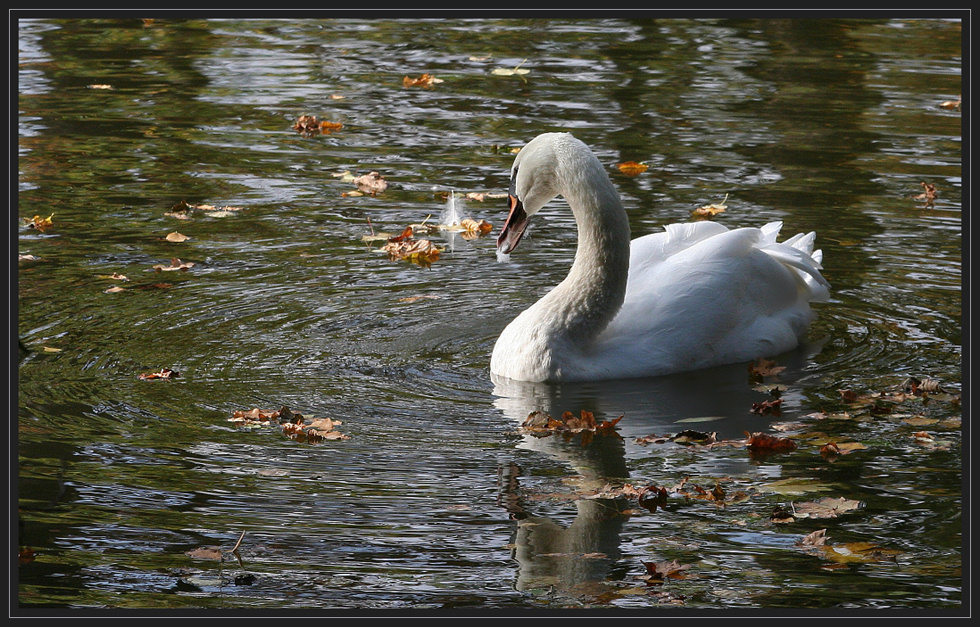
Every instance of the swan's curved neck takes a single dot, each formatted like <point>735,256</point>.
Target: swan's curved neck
<point>592,293</point>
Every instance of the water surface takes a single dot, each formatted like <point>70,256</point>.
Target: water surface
<point>437,501</point>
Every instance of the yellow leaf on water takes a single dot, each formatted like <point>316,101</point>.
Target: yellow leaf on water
<point>517,70</point>
<point>176,237</point>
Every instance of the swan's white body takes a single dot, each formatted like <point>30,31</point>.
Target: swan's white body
<point>694,296</point>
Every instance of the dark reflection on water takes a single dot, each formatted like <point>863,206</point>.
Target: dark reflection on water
<point>437,501</point>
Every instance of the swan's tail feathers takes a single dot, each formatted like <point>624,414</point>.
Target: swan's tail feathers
<point>797,253</point>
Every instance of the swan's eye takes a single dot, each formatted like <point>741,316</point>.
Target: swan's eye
<point>513,183</point>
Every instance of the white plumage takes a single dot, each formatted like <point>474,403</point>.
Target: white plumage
<point>693,296</point>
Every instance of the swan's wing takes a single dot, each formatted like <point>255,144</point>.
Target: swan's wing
<point>655,248</point>
<point>721,294</point>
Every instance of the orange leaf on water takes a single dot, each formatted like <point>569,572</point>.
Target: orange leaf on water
<point>632,168</point>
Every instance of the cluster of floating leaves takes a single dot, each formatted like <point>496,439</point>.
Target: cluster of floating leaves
<point>297,426</point>
<point>185,211</point>
<point>726,492</point>
<point>584,425</point>
<point>309,125</point>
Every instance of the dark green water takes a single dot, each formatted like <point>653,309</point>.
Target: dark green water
<point>436,502</point>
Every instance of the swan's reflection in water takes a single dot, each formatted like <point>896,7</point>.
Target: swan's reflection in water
<point>565,559</point>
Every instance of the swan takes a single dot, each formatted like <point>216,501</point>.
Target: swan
<point>693,296</point>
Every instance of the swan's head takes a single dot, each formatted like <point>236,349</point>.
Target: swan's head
<point>533,182</point>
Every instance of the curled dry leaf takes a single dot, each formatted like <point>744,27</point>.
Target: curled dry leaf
<point>164,373</point>
<point>39,223</point>
<point>708,211</point>
<point>658,572</point>
<point>929,193</point>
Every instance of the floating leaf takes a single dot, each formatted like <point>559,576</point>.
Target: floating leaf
<point>370,183</point>
<point>176,237</point>
<point>929,194</point>
<point>762,368</point>
<point>39,223</point>
<point>826,507</point>
<point>658,572</point>
<point>768,407</point>
<point>708,211</point>
<point>205,553</point>
<point>541,424</point>
<point>309,125</point>
<point>952,104</point>
<point>293,424</point>
<point>517,70</point>
<point>183,211</point>
<point>164,373</point>
<point>175,264</point>
<point>632,168</point>
<point>425,81</point>
<point>764,444</point>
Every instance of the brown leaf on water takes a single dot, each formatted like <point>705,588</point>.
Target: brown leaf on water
<point>425,81</point>
<point>762,368</point>
<point>420,251</point>
<point>826,507</point>
<point>473,228</point>
<point>764,444</point>
<point>768,407</point>
<point>40,224</point>
<point>370,183</point>
<point>658,572</point>
<point>815,538</point>
<point>928,195</point>
<point>831,450</point>
<point>632,168</point>
<point>164,373</point>
<point>205,553</point>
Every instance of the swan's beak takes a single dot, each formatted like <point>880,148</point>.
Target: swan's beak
<point>513,229</point>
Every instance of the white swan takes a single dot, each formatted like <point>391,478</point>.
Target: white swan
<point>694,296</point>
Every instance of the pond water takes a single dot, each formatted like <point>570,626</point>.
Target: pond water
<point>135,493</point>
